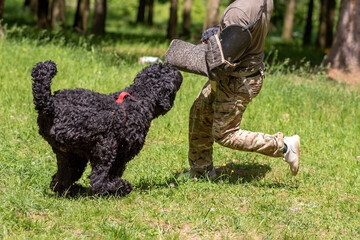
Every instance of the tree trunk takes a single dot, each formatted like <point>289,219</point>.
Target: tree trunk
<point>99,17</point>
<point>81,16</point>
<point>32,5</point>
<point>308,27</point>
<point>58,12</point>
<point>43,13</point>
<point>171,31</point>
<point>186,24</point>
<point>330,22</point>
<point>150,12</point>
<point>345,50</point>
<point>2,3</point>
<point>288,20</point>
<point>27,4</point>
<point>212,13</point>
<point>325,33</point>
<point>141,12</point>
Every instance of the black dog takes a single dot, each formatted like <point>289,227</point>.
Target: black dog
<point>106,130</point>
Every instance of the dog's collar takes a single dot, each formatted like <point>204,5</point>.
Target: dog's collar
<point>122,96</point>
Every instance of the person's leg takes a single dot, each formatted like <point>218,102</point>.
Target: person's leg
<point>232,98</point>
<point>200,131</point>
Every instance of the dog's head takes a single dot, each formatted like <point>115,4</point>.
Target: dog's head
<point>162,81</point>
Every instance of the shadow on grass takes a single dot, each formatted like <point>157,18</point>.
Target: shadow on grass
<point>78,191</point>
<point>276,184</point>
<point>74,192</point>
<point>242,173</point>
<point>250,172</point>
<point>229,174</point>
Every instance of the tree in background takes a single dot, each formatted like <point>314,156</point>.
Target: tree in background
<point>46,17</point>
<point>58,12</point>
<point>172,24</point>
<point>288,21</point>
<point>31,4</point>
<point>81,16</point>
<point>141,12</point>
<point>212,13</point>
<point>186,18</point>
<point>326,24</point>
<point>308,26</point>
<point>150,12</point>
<point>27,4</point>
<point>98,26</point>
<point>345,50</point>
<point>143,6</point>
<point>42,14</point>
<point>2,3</point>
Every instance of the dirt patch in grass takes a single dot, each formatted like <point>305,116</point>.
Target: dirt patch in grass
<point>344,77</point>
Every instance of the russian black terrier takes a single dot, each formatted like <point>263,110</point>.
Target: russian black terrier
<point>106,130</point>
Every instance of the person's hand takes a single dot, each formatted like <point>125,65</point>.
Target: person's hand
<point>208,33</point>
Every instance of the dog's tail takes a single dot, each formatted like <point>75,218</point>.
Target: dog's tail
<point>41,75</point>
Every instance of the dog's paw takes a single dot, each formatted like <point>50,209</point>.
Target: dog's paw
<point>115,187</point>
<point>72,191</point>
<point>125,188</point>
<point>77,190</point>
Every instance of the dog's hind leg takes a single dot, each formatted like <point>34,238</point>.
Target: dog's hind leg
<point>106,173</point>
<point>70,168</point>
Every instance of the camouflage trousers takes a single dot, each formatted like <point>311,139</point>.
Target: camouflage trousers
<point>216,115</point>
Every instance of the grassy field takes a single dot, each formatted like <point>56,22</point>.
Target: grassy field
<point>254,198</point>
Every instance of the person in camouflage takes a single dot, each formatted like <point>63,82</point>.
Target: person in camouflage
<point>216,114</point>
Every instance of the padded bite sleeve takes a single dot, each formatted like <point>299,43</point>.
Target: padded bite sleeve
<point>187,57</point>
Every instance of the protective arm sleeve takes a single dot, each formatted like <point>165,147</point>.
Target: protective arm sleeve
<point>200,59</point>
<point>187,57</point>
<point>211,59</point>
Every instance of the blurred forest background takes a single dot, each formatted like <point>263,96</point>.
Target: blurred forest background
<point>320,31</point>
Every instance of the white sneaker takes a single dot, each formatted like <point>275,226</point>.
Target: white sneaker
<point>292,155</point>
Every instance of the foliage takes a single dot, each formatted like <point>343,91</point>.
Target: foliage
<point>122,16</point>
<point>255,197</point>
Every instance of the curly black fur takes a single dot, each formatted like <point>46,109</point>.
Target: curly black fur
<point>82,125</point>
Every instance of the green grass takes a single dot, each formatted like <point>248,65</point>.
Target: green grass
<point>255,198</point>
